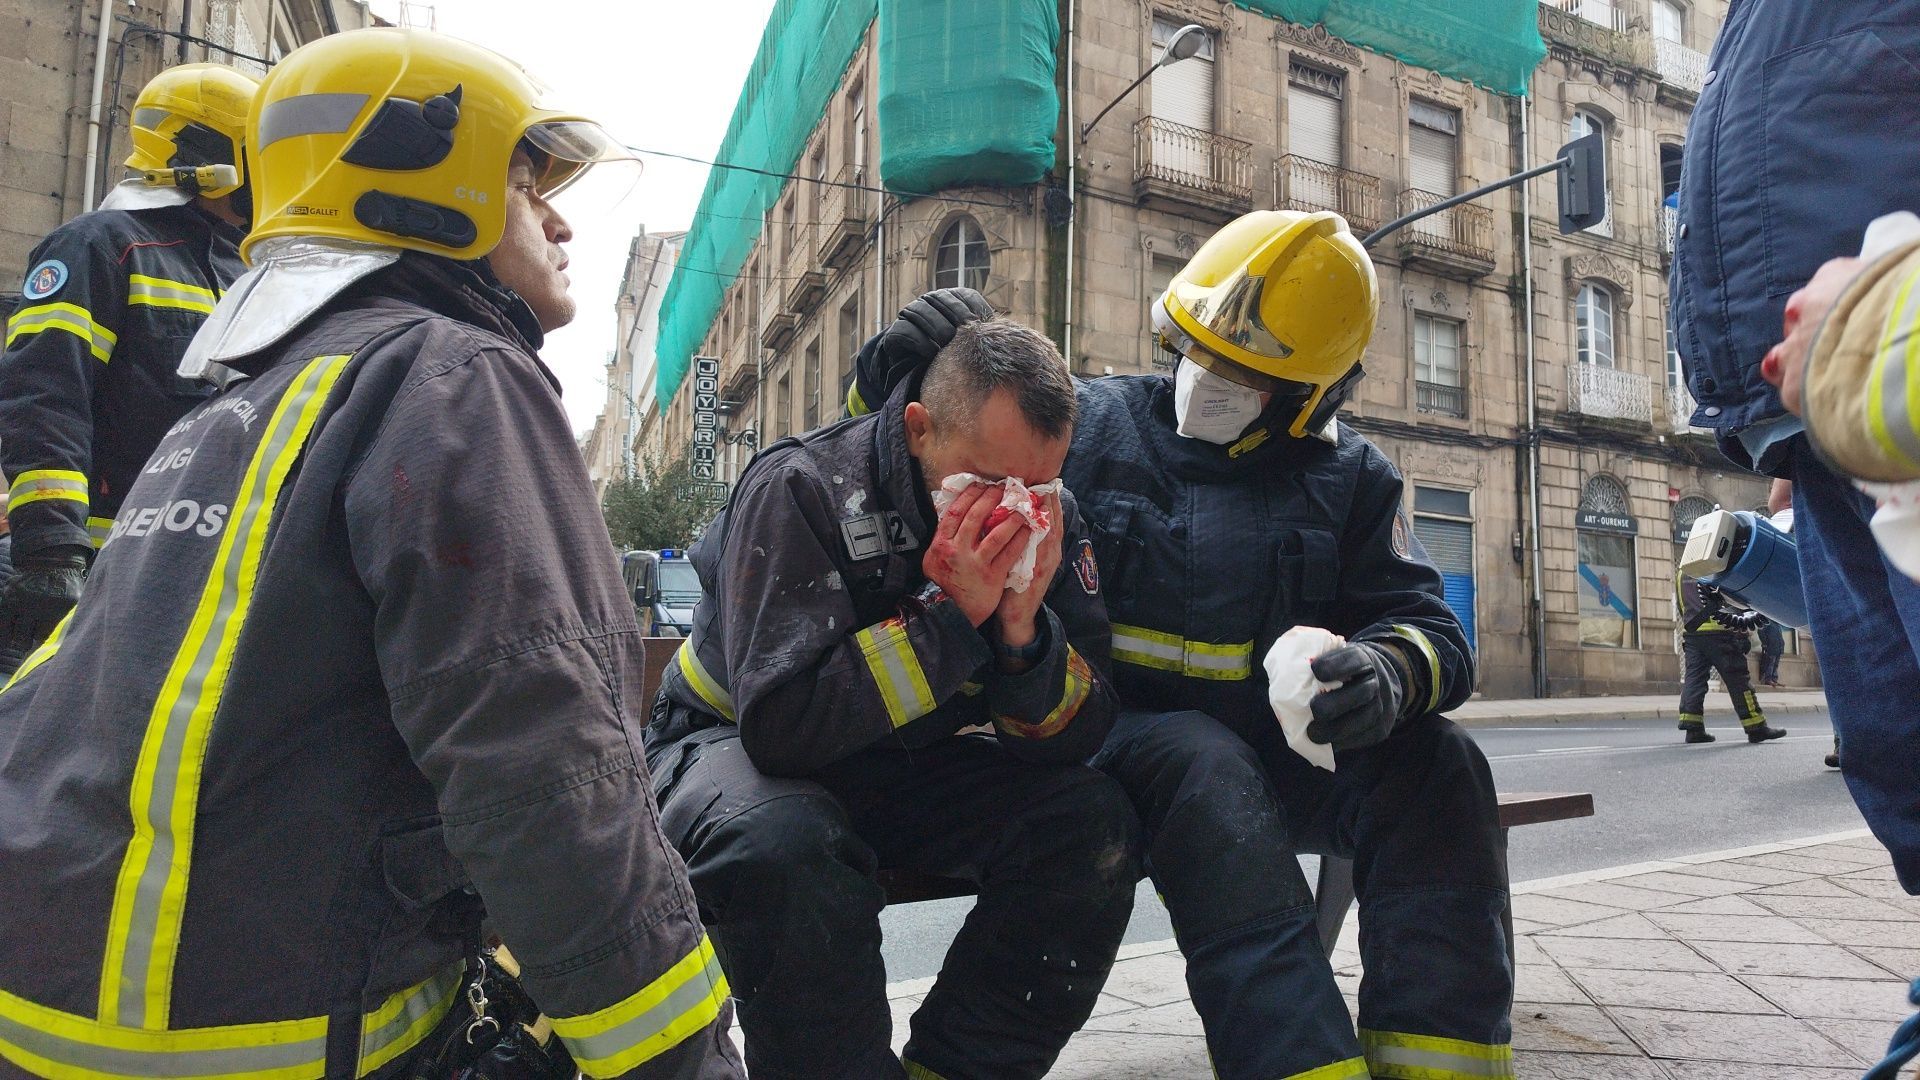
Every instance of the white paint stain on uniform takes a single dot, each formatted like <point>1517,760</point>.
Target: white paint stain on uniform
<point>857,502</point>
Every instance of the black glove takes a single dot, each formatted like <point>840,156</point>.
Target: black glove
<point>922,329</point>
<point>44,587</point>
<point>1365,707</point>
<point>1744,620</point>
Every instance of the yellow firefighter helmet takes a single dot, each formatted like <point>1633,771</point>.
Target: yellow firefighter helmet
<point>1280,301</point>
<point>193,115</point>
<point>403,138</point>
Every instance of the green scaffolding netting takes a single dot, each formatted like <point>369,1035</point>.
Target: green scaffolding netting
<point>966,92</point>
<point>803,54</point>
<point>966,96</point>
<point>1494,43</point>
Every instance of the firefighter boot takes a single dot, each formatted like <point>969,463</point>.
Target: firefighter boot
<point>1696,732</point>
<point>1762,732</point>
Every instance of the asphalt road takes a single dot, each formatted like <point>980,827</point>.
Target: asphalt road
<point>1654,797</point>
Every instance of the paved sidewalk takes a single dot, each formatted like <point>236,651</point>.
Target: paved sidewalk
<point>1486,713</point>
<point>1783,962</point>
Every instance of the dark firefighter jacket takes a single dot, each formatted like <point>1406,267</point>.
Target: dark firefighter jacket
<point>1701,607</point>
<point>1208,554</point>
<point>87,382</point>
<point>815,636</point>
<point>359,643</point>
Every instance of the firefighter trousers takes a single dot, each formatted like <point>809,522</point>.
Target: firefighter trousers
<point>784,871</point>
<point>1418,816</point>
<point>1726,653</point>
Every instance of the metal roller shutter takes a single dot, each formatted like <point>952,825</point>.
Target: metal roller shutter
<point>1313,124</point>
<point>1450,545</point>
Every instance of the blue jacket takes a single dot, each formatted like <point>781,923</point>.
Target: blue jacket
<point>1802,135</point>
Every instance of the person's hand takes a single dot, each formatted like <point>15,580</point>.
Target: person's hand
<point>43,588</point>
<point>969,567</point>
<point>928,324</point>
<point>1785,364</point>
<point>1017,611</point>
<point>1363,709</point>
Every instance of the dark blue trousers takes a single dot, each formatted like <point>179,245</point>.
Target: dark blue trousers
<point>1866,627</point>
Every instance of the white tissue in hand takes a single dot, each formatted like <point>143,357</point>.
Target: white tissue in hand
<point>1015,498</point>
<point>1291,687</point>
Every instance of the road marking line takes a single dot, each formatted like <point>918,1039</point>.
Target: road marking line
<point>1573,749</point>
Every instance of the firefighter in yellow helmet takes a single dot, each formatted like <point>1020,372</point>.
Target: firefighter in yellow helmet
<point>87,378</point>
<point>355,669</point>
<point>1228,506</point>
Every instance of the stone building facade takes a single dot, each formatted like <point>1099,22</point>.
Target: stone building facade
<point>1504,352</point>
<point>615,447</point>
<point>48,50</point>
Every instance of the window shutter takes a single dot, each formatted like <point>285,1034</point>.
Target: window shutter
<point>1313,124</point>
<point>1182,92</point>
<point>1431,165</point>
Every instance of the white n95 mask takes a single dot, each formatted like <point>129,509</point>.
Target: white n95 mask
<point>1210,408</point>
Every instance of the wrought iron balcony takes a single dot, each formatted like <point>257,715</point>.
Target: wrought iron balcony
<point>845,214</point>
<point>1305,184</point>
<point>1680,406</point>
<point>1680,67</point>
<point>1191,165</point>
<point>1669,222</point>
<point>806,281</point>
<point>1456,242</point>
<point>1431,397</point>
<point>1609,394</point>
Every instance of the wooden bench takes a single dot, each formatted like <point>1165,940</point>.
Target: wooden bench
<point>1332,896</point>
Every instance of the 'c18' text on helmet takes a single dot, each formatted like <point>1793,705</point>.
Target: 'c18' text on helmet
<point>193,115</point>
<point>403,138</point>
<point>1280,301</point>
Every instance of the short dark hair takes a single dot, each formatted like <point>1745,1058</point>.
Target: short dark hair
<point>994,354</point>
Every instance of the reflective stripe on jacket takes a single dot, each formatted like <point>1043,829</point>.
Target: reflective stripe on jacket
<point>814,635</point>
<point>360,652</point>
<point>87,380</point>
<point>1208,554</point>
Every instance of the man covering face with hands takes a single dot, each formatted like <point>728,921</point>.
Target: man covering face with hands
<point>810,729</point>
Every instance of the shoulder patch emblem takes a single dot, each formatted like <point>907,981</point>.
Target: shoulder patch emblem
<point>45,280</point>
<point>1087,568</point>
<point>1400,545</point>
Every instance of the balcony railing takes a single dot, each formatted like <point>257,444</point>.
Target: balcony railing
<point>1680,406</point>
<point>844,216</point>
<point>1611,16</point>
<point>1603,392</point>
<point>1669,222</point>
<point>1679,66</point>
<point>1464,232</point>
<point>1305,184</point>
<point>805,279</point>
<point>1190,160</point>
<point>1431,397</point>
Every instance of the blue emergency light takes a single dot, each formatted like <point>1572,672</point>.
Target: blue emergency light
<point>669,553</point>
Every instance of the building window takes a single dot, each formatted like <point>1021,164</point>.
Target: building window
<point>1685,513</point>
<point>1313,115</point>
<point>811,387</point>
<point>1583,123</point>
<point>1607,573</point>
<point>961,257</point>
<point>1669,22</point>
<point>1182,92</point>
<point>1160,274</point>
<point>850,341</point>
<point>1443,523</point>
<point>1604,12</point>
<point>783,406</point>
<point>857,130</point>
<point>1439,385</point>
<point>1593,325</point>
<point>1433,137</point>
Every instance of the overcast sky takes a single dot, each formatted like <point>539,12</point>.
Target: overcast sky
<point>660,75</point>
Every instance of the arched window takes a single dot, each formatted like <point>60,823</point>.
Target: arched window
<point>1606,585</point>
<point>961,257</point>
<point>1605,495</point>
<point>1593,325</point>
<point>1587,122</point>
<point>1685,513</point>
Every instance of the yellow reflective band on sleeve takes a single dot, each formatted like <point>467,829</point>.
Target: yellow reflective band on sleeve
<point>98,529</point>
<point>1079,684</point>
<point>896,670</point>
<point>38,485</point>
<point>42,654</point>
<point>1893,382</point>
<point>50,1043</point>
<point>917,1071</point>
<point>856,405</point>
<point>1170,652</point>
<point>1394,1055</point>
<point>406,1018</point>
<point>1350,1069</point>
<point>704,684</point>
<point>143,936</point>
<point>160,292</point>
<point>1425,645</point>
<point>72,318</point>
<point>660,1017</point>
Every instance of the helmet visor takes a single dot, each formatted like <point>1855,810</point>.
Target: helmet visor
<point>569,146</point>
